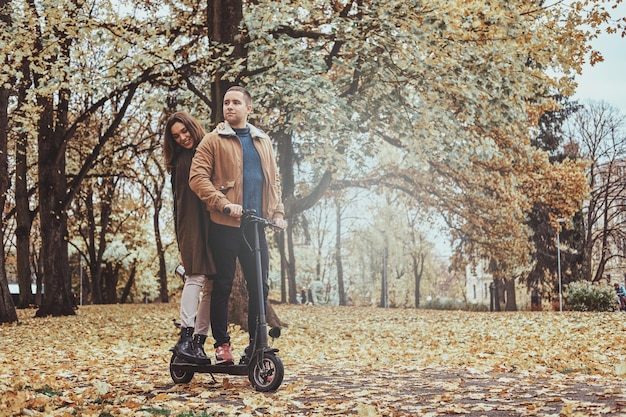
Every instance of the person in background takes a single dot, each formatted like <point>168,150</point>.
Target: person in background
<point>621,295</point>
<point>235,169</point>
<point>182,135</point>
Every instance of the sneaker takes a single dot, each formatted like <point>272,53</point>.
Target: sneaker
<point>224,354</point>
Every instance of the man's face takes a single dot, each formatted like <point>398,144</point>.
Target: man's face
<point>236,110</point>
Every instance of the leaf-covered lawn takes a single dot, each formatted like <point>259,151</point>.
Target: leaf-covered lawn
<point>114,360</point>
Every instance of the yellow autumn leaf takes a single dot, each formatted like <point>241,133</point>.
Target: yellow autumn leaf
<point>441,362</point>
<point>620,368</point>
<point>367,410</point>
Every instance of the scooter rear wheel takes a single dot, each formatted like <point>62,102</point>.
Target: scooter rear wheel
<point>266,374</point>
<point>179,377</point>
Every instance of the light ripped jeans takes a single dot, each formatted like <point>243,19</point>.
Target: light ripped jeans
<point>194,310</point>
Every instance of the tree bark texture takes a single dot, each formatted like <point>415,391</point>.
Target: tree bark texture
<point>24,217</point>
<point>284,264</point>
<point>7,308</point>
<point>418,272</point>
<point>129,284</point>
<point>8,314</point>
<point>58,299</point>
<point>511,302</point>
<point>338,260</point>
<point>223,20</point>
<point>238,305</point>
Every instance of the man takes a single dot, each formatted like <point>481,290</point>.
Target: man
<point>235,169</point>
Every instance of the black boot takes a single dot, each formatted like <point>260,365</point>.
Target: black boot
<point>184,346</point>
<point>198,350</point>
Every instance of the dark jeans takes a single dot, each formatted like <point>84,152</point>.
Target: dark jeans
<point>228,245</point>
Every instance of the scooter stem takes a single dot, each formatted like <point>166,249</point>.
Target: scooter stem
<point>262,320</point>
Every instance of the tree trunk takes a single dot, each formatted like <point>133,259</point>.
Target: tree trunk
<point>418,271</point>
<point>284,264</point>
<point>587,246</point>
<point>294,206</point>
<point>7,308</point>
<point>129,283</point>
<point>340,287</point>
<point>605,249</point>
<point>36,267</point>
<point>95,251</point>
<point>111,277</point>
<point>496,295</point>
<point>109,280</point>
<point>238,305</point>
<point>223,20</point>
<point>24,217</point>
<point>156,193</point>
<point>291,267</point>
<point>58,299</point>
<point>511,303</point>
<point>163,292</point>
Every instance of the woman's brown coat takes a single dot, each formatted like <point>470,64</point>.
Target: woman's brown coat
<point>192,220</point>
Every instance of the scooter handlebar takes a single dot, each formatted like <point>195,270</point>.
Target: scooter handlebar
<point>250,216</point>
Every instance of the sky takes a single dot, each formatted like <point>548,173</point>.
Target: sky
<point>606,81</point>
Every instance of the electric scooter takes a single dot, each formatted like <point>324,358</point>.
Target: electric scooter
<point>264,368</point>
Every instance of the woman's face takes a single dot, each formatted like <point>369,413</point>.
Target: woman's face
<point>181,135</point>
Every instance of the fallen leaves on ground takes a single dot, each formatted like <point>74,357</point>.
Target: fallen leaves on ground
<point>114,360</point>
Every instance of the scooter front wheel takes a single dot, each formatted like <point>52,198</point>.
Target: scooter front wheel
<point>179,377</point>
<point>266,374</point>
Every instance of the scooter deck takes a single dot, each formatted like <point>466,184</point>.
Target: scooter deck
<point>211,369</point>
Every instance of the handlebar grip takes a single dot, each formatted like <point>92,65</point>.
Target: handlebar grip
<point>247,211</point>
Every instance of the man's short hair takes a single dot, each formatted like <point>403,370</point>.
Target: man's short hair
<point>245,92</point>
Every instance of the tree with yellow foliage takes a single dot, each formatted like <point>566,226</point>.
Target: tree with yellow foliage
<point>455,86</point>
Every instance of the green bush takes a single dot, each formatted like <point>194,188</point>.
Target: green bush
<point>585,296</point>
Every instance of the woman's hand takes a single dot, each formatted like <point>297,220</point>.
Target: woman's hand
<point>280,223</point>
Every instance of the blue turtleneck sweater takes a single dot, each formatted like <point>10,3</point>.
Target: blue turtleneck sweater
<point>252,173</point>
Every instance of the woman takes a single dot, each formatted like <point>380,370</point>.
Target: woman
<point>183,133</point>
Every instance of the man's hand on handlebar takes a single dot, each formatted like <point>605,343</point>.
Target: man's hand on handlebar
<point>233,210</point>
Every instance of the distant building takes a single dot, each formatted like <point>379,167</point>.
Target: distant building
<point>14,290</point>
<point>477,282</point>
